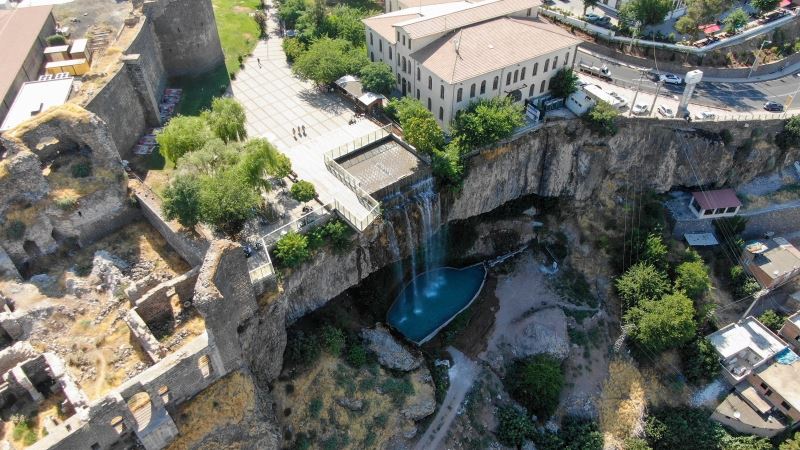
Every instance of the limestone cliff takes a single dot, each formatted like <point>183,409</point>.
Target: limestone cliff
<point>566,159</point>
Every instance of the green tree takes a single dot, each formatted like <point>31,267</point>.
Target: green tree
<point>293,48</point>
<point>700,360</point>
<point>764,5</point>
<point>487,121</point>
<point>771,319</point>
<point>183,134</point>
<point>634,443</point>
<point>692,278</point>
<point>790,135</point>
<point>377,77</point>
<point>564,83</point>
<point>743,284</point>
<point>344,22</point>
<point>682,428</point>
<point>404,108</point>
<point>326,60</point>
<point>687,24</point>
<point>292,249</point>
<point>258,160</point>
<point>536,383</point>
<point>579,433</point>
<point>424,134</point>
<point>729,442</point>
<point>182,201</point>
<point>226,119</point>
<point>641,282</point>
<point>648,12</point>
<point>513,426</point>
<point>792,443</point>
<point>447,165</point>
<point>212,157</point>
<point>602,118</point>
<point>589,4</point>
<point>303,191</point>
<point>339,234</point>
<point>291,10</point>
<point>699,12</point>
<point>736,20</point>
<point>282,167</point>
<point>655,251</point>
<point>227,200</point>
<point>663,324</point>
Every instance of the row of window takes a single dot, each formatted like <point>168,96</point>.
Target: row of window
<point>768,392</point>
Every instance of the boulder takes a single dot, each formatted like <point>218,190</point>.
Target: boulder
<point>391,354</point>
<point>350,403</point>
<point>419,410</point>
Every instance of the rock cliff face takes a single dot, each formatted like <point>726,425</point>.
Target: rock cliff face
<point>562,159</point>
<point>566,159</point>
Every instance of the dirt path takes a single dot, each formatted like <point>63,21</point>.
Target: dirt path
<point>462,374</point>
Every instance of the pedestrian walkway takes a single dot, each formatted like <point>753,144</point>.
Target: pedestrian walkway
<point>277,102</point>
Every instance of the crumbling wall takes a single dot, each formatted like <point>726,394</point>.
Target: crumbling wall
<point>155,303</point>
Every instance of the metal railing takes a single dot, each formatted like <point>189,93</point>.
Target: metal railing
<point>359,142</point>
<point>302,223</point>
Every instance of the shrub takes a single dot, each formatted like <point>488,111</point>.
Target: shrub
<point>513,427</point>
<point>581,434</point>
<point>315,407</point>
<point>302,349</point>
<point>15,230</point>
<point>700,361</point>
<point>333,340</point>
<point>292,249</point>
<point>771,320</point>
<point>743,284</point>
<point>303,191</point>
<point>398,389</point>
<point>67,203</point>
<point>339,234</point>
<point>641,282</point>
<point>293,48</point>
<point>564,83</point>
<point>356,355</point>
<point>692,278</point>
<point>182,201</point>
<point>602,118</point>
<point>790,135</point>
<point>792,443</point>
<point>81,169</point>
<point>55,39</point>
<point>662,324</point>
<point>536,383</point>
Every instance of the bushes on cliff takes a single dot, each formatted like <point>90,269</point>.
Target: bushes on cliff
<point>292,249</point>
<point>487,121</point>
<point>790,135</point>
<point>536,383</point>
<point>602,118</point>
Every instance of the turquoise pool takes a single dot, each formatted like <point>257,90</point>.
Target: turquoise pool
<point>432,299</point>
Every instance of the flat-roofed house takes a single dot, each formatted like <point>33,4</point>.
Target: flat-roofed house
<point>715,204</point>
<point>35,97</point>
<point>763,371</point>
<point>23,33</point>
<point>790,331</point>
<point>452,54</point>
<point>772,262</point>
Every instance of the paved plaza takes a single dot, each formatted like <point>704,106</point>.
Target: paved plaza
<point>276,101</point>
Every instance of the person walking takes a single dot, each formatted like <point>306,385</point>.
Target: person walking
<point>259,62</point>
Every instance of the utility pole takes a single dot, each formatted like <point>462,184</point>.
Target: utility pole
<point>758,57</point>
<point>638,85</point>
<point>658,89</point>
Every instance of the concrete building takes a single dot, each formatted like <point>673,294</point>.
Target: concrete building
<point>35,97</point>
<point>22,42</point>
<point>449,55</point>
<point>763,371</point>
<point>396,5</point>
<point>772,262</point>
<point>790,331</point>
<point>715,204</point>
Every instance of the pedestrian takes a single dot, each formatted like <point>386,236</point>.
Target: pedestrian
<point>294,135</point>
<point>299,131</point>
<point>259,62</point>
<point>304,131</point>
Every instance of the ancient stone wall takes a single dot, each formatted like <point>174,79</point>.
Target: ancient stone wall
<point>155,303</point>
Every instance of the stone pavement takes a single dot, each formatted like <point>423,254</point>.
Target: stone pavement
<point>276,101</point>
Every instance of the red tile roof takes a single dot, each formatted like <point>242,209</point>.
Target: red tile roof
<point>722,198</point>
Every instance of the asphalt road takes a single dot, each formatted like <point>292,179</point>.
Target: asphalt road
<point>737,97</point>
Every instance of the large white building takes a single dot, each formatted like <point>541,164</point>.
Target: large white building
<point>451,54</point>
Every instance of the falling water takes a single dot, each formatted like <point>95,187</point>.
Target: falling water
<point>394,246</point>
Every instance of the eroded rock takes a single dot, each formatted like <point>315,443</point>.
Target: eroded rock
<point>391,354</point>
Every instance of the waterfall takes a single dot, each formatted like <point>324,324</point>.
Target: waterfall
<point>394,246</point>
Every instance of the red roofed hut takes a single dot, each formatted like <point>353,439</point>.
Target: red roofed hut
<point>715,204</point>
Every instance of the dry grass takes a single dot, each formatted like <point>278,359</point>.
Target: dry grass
<point>229,400</point>
<point>68,112</point>
<point>622,403</point>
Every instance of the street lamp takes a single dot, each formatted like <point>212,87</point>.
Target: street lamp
<point>758,56</point>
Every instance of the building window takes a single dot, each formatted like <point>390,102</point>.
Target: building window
<point>430,83</point>
<point>786,406</point>
<point>370,38</point>
<point>380,45</point>
<point>459,94</point>
<point>404,40</point>
<point>398,78</point>
<point>404,63</point>
<point>371,56</point>
<point>566,58</point>
<point>483,87</point>
<point>535,69</point>
<point>541,88</point>
<point>496,81</point>
<point>441,91</point>
<point>550,84</point>
<point>390,53</point>
<point>441,113</point>
<point>528,12</point>
<point>417,94</point>
<point>409,43</point>
<point>398,35</point>
<point>546,65</point>
<point>516,75</point>
<point>472,91</point>
<point>417,73</point>
<point>522,75</point>
<point>768,393</point>
<point>555,62</point>
<point>508,79</point>
<point>429,103</point>
<point>531,90</point>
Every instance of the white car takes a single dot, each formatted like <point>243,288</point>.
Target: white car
<point>671,79</point>
<point>640,108</point>
<point>666,112</point>
<point>705,115</point>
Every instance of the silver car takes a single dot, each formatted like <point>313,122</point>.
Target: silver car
<point>666,112</point>
<point>671,79</point>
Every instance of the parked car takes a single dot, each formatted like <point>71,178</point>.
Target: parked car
<point>671,78</point>
<point>640,109</point>
<point>773,106</point>
<point>705,115</point>
<point>592,17</point>
<point>666,112</point>
<point>653,75</point>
